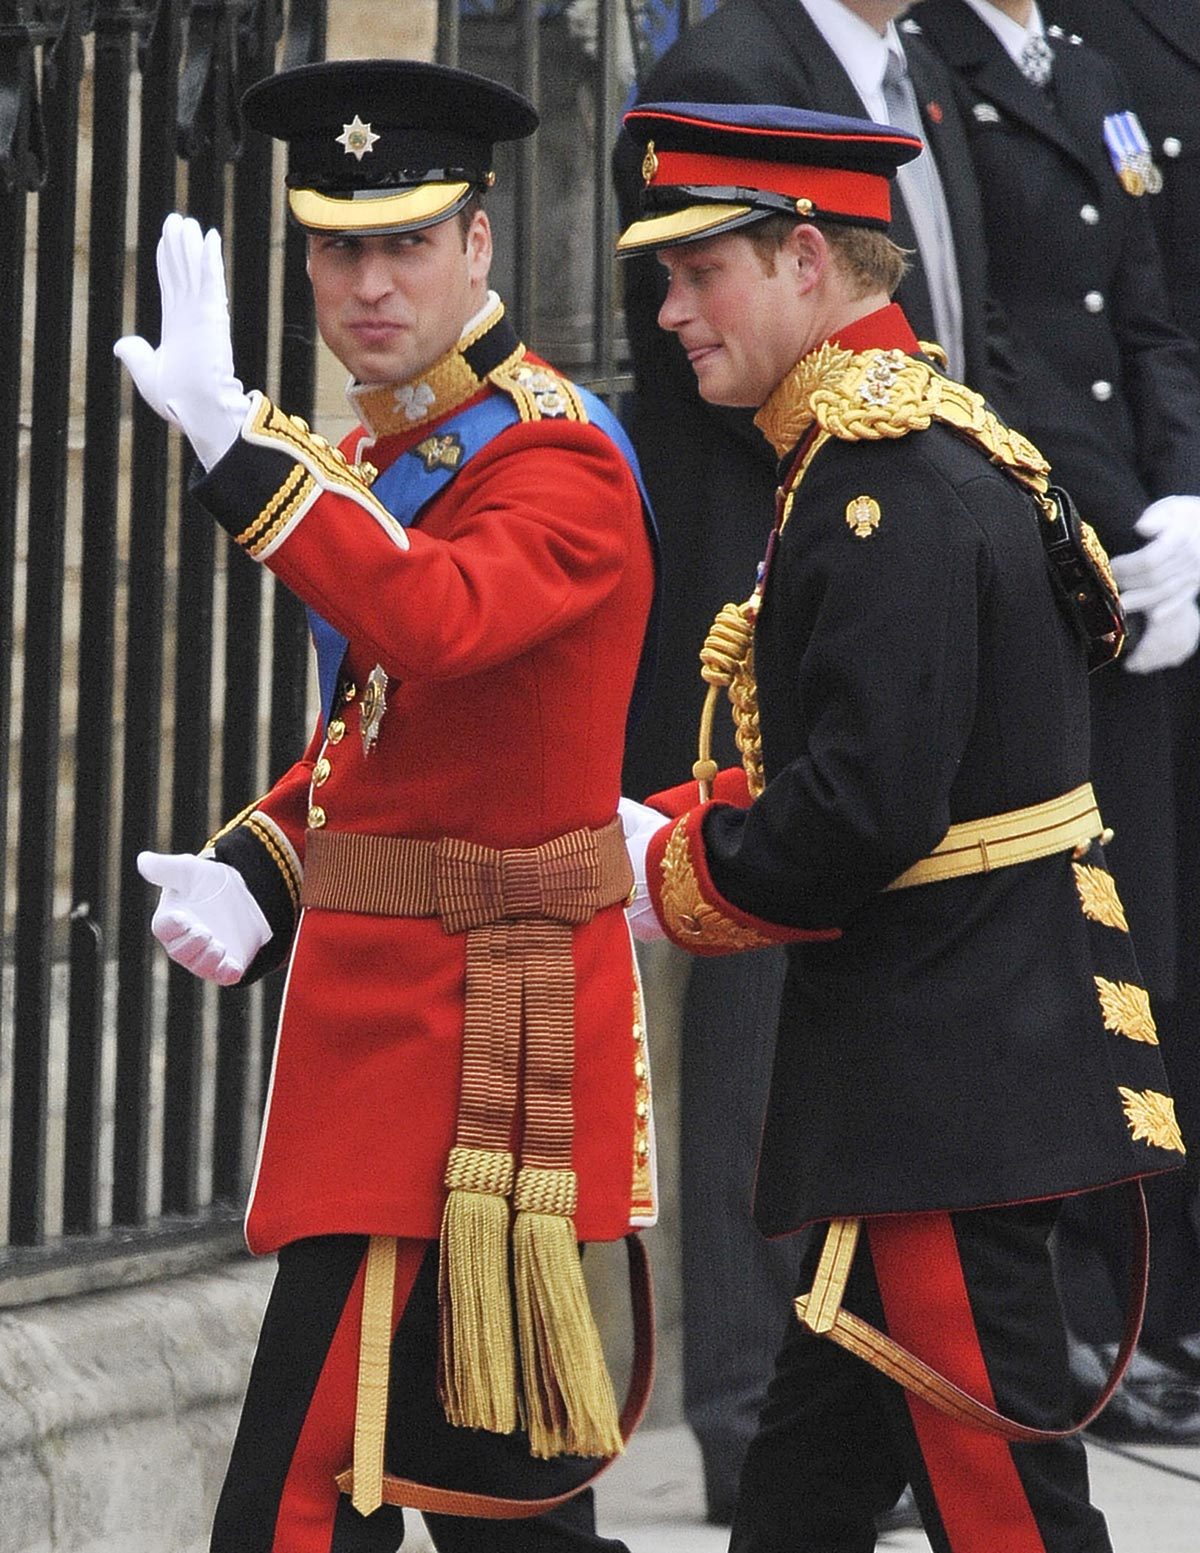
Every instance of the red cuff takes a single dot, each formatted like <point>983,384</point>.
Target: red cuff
<point>692,910</point>
<point>729,786</point>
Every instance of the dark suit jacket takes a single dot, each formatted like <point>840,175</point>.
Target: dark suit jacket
<point>1157,44</point>
<point>711,475</point>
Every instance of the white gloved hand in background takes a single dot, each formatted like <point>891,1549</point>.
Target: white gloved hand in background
<point>1165,572</point>
<point>206,918</point>
<point>189,380</point>
<point>1169,638</point>
<point>639,823</point>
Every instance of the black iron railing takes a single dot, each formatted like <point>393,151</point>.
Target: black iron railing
<point>152,679</point>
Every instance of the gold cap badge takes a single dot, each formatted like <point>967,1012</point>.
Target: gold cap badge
<point>863,515</point>
<point>649,163</point>
<point>357,138</point>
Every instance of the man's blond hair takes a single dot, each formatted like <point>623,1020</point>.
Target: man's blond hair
<point>868,257</point>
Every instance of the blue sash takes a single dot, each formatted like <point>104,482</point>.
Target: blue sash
<point>409,483</point>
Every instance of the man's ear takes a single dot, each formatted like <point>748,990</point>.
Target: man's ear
<point>806,251</point>
<point>479,246</point>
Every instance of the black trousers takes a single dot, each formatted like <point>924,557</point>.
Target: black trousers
<point>973,1295</point>
<point>736,1284</point>
<point>297,1426</point>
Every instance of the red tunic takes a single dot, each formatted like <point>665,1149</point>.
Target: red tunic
<point>510,630</point>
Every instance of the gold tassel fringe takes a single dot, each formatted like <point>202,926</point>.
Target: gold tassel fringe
<point>570,1408</point>
<point>477,1372</point>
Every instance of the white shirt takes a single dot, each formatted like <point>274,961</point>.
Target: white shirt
<point>861,51</point>
<point>1011,34</point>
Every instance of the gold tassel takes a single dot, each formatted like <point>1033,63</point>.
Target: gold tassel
<point>570,1408</point>
<point>477,1371</point>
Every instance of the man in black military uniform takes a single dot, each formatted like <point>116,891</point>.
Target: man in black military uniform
<point>711,475</point>
<point>964,1037</point>
<point>1112,397</point>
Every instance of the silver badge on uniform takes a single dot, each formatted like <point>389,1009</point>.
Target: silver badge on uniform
<point>986,113</point>
<point>1130,153</point>
<point>374,705</point>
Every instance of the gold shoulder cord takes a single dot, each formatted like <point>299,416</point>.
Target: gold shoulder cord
<point>727,663</point>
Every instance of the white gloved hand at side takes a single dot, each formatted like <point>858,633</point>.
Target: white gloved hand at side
<point>1165,572</point>
<point>639,823</point>
<point>1170,637</point>
<point>206,918</point>
<point>189,380</point>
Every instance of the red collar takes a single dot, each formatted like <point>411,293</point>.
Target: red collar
<point>885,329</point>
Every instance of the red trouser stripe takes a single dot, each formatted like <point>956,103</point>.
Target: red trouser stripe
<point>309,1500</point>
<point>980,1497</point>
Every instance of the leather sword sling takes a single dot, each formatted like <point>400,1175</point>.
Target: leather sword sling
<point>822,1313</point>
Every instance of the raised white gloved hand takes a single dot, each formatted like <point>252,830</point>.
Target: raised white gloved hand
<point>1165,572</point>
<point>206,918</point>
<point>189,380</point>
<point>1170,637</point>
<point>639,823</point>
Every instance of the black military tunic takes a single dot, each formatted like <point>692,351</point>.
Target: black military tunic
<point>949,1049</point>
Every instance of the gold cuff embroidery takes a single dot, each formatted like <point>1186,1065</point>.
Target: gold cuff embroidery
<point>279,852</point>
<point>1098,896</point>
<point>1151,1117</point>
<point>688,914</point>
<point>1126,1010</point>
<point>319,466</point>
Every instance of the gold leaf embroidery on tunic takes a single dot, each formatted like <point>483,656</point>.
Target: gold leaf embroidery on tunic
<point>1098,896</point>
<point>1126,1010</point>
<point>1151,1117</point>
<point>688,914</point>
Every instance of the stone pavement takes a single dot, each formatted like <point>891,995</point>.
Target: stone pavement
<point>653,1501</point>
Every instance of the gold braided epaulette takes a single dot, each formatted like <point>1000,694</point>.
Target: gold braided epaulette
<point>877,394</point>
<point>538,391</point>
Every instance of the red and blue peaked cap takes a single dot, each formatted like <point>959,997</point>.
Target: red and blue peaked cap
<point>713,167</point>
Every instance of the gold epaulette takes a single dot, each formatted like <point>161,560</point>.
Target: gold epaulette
<point>871,395</point>
<point>538,391</point>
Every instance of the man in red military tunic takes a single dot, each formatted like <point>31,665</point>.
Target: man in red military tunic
<point>460,1075</point>
<point>964,1037</point>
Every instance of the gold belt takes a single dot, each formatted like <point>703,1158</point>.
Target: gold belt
<point>977,846</point>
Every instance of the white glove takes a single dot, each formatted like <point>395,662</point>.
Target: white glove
<point>1170,637</point>
<point>189,380</point>
<point>1165,572</point>
<point>639,823</point>
<point>206,918</point>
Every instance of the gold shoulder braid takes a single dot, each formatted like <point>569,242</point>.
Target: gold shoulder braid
<point>862,396</point>
<point>538,392</point>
